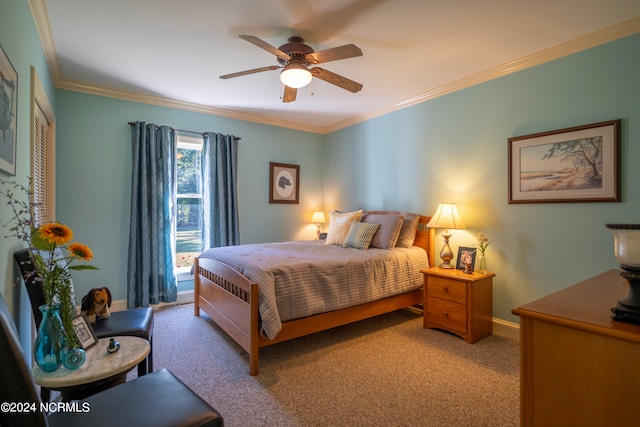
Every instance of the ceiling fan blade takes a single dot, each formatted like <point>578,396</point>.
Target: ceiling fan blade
<point>264,45</point>
<point>333,54</point>
<point>336,79</point>
<point>244,73</point>
<point>289,94</point>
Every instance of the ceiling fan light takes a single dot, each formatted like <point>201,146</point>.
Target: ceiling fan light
<point>295,76</point>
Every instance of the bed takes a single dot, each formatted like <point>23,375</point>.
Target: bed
<point>228,281</point>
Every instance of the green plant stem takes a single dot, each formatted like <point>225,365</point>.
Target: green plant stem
<point>58,290</point>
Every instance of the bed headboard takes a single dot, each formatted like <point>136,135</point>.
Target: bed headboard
<point>425,237</point>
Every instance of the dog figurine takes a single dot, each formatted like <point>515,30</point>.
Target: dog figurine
<point>96,304</point>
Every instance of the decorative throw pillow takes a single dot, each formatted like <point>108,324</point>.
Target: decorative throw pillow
<point>339,224</point>
<point>408,232</point>
<point>388,232</point>
<point>360,235</point>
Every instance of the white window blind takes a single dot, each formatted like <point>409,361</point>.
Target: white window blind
<point>43,149</point>
<point>40,167</point>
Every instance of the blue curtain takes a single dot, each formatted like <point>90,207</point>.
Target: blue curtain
<point>220,201</point>
<point>150,277</point>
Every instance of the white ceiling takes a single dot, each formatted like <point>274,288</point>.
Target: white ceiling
<point>157,50</point>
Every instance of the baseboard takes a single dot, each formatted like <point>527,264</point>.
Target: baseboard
<point>506,329</point>
<point>184,297</point>
<point>500,327</point>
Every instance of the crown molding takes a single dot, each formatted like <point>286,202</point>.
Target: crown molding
<point>41,18</point>
<point>182,105</point>
<point>606,35</point>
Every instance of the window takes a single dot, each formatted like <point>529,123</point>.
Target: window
<point>188,221</point>
<point>43,150</point>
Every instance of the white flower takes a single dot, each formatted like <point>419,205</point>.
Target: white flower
<point>483,242</point>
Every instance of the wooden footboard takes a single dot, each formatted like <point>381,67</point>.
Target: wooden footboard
<point>231,300</point>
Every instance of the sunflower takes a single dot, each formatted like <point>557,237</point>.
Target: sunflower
<point>56,233</point>
<point>80,251</point>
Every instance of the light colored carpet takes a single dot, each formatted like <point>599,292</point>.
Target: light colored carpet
<point>385,371</point>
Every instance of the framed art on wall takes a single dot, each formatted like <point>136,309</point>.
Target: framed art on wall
<point>8,114</point>
<point>466,254</point>
<point>579,164</point>
<point>284,183</point>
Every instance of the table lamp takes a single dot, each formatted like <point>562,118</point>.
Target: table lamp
<point>318,218</point>
<point>627,253</point>
<point>446,217</point>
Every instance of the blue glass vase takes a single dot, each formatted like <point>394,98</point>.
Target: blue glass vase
<point>74,358</point>
<point>49,347</point>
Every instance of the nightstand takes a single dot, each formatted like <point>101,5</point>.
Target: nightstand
<point>459,303</point>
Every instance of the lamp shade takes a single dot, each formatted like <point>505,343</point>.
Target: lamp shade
<point>295,75</point>
<point>626,244</point>
<point>318,218</point>
<point>446,216</point>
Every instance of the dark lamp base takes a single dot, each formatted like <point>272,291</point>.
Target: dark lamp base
<point>628,308</point>
<point>626,314</point>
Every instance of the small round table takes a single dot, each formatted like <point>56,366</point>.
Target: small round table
<point>100,371</point>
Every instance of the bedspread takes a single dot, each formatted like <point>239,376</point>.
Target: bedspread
<point>300,279</point>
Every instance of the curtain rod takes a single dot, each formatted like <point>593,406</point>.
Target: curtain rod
<point>188,131</point>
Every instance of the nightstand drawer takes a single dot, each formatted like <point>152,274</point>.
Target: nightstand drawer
<point>450,290</point>
<point>446,314</point>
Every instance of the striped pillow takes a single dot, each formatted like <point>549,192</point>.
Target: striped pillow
<point>360,235</point>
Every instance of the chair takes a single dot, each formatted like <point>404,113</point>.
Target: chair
<point>136,322</point>
<point>157,399</point>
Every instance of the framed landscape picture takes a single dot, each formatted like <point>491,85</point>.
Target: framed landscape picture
<point>284,183</point>
<point>579,164</point>
<point>8,114</point>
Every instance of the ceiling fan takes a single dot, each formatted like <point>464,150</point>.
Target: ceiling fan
<point>295,57</point>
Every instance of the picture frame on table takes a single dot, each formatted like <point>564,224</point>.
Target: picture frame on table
<point>8,114</point>
<point>84,332</point>
<point>284,183</point>
<point>466,253</point>
<point>578,164</point>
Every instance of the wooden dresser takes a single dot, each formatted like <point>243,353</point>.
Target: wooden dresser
<point>578,367</point>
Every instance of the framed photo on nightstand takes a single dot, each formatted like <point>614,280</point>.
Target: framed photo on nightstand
<point>466,254</point>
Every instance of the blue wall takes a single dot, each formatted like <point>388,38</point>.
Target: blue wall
<point>454,148</point>
<point>20,42</point>
<point>94,177</point>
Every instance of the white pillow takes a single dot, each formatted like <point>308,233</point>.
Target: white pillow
<point>339,225</point>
